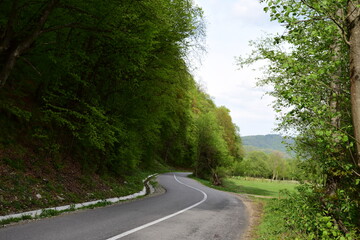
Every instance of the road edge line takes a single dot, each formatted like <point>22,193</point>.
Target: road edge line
<point>163,218</point>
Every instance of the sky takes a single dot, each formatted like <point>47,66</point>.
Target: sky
<point>231,24</point>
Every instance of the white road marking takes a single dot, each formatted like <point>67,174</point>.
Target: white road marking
<point>164,218</point>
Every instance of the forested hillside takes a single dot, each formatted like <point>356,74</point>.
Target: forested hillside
<point>268,142</point>
<point>102,89</point>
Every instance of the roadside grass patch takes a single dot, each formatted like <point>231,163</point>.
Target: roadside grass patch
<point>273,225</point>
<point>49,213</point>
<point>259,187</point>
<point>14,220</point>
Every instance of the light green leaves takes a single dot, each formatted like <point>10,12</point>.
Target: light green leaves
<point>309,72</point>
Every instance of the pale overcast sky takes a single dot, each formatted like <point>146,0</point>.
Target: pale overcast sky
<point>231,24</point>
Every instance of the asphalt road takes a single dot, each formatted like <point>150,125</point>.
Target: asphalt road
<point>188,210</point>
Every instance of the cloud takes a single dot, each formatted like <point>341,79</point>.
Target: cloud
<point>232,24</point>
<point>249,9</point>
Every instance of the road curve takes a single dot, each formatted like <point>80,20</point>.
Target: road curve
<point>188,210</point>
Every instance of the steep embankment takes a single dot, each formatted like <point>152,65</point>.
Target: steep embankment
<point>28,183</point>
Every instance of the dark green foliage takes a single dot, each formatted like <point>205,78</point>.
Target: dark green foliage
<point>107,85</point>
<point>102,76</point>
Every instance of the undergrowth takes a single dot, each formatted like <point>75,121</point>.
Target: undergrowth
<point>302,216</point>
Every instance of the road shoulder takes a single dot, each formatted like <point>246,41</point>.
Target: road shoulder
<point>255,211</point>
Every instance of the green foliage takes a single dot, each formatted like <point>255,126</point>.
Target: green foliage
<point>256,164</point>
<point>212,148</point>
<point>310,73</point>
<point>49,213</point>
<point>230,133</point>
<point>302,216</point>
<point>271,165</point>
<point>107,85</point>
<point>12,220</point>
<point>217,142</point>
<point>104,82</point>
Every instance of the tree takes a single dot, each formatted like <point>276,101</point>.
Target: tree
<point>256,164</point>
<point>314,77</point>
<point>212,148</point>
<point>353,29</point>
<point>230,132</point>
<point>277,165</point>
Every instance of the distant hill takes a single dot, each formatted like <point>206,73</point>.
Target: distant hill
<point>266,143</point>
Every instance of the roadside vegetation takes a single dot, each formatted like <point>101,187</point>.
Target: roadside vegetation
<point>254,186</point>
<point>299,216</point>
<point>25,191</point>
<point>260,187</point>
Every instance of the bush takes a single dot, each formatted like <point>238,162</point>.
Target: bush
<point>303,215</point>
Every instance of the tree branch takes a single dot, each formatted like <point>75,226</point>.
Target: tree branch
<point>79,10</point>
<point>333,19</point>
<point>25,44</point>
<point>31,65</point>
<point>342,29</point>
<point>73,25</point>
<point>307,20</point>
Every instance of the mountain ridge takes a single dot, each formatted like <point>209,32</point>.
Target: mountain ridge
<point>267,142</point>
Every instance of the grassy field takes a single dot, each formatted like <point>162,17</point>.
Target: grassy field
<point>260,187</point>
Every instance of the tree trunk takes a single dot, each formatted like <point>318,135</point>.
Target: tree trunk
<point>354,40</point>
<point>335,88</point>
<point>332,181</point>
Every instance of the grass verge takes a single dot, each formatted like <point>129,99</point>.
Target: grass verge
<point>258,187</point>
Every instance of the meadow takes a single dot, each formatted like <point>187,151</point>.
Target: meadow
<point>260,187</point>
<point>255,186</point>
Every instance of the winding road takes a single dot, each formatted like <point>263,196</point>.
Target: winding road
<point>188,210</point>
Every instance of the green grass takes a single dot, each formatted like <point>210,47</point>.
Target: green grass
<point>273,224</point>
<point>260,187</point>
